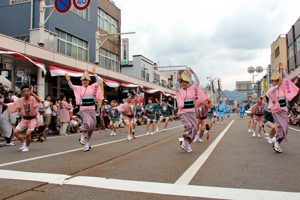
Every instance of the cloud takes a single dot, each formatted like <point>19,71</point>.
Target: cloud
<point>216,38</point>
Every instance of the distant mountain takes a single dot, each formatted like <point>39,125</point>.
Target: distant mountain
<point>233,95</point>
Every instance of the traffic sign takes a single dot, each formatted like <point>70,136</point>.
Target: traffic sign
<point>62,6</point>
<point>81,4</point>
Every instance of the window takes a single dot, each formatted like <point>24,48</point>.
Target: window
<point>108,60</point>
<point>23,38</point>
<point>106,22</point>
<point>277,52</point>
<point>82,13</point>
<point>290,52</point>
<point>298,44</point>
<point>18,1</point>
<point>71,45</point>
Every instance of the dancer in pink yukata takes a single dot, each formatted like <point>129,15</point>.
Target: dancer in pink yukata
<point>281,90</point>
<point>129,109</point>
<point>86,96</point>
<point>186,100</point>
<point>258,113</point>
<point>27,106</point>
<point>202,119</point>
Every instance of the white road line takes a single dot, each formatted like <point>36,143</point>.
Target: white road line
<point>189,174</point>
<point>294,129</point>
<point>69,151</point>
<point>150,187</point>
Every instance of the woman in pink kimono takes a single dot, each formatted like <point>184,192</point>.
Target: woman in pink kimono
<point>63,112</point>
<point>128,109</point>
<point>281,90</point>
<point>86,96</point>
<point>186,100</point>
<point>258,113</point>
<point>202,119</point>
<point>27,106</point>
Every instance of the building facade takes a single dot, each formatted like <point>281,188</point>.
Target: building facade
<point>71,33</point>
<point>293,50</point>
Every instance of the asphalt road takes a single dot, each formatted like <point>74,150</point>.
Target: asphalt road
<point>230,165</point>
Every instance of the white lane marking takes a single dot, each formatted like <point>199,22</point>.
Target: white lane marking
<point>33,176</point>
<point>294,129</point>
<point>69,151</point>
<point>189,174</point>
<point>150,187</point>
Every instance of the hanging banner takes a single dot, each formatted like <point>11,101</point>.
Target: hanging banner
<point>265,84</point>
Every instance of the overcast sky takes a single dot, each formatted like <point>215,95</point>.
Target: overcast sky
<point>216,38</point>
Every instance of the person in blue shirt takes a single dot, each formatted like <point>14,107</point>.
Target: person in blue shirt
<point>138,110</point>
<point>242,111</point>
<point>228,111</point>
<point>269,120</point>
<point>250,117</point>
<point>166,111</point>
<point>151,109</point>
<point>220,109</point>
<point>114,117</point>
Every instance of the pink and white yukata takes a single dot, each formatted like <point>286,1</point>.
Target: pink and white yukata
<point>129,110</point>
<point>186,100</point>
<point>28,112</point>
<point>63,112</point>
<point>286,90</point>
<point>258,111</point>
<point>86,98</point>
<point>202,113</point>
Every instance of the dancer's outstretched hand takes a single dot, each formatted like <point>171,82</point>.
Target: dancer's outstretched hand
<point>94,70</point>
<point>67,76</point>
<point>190,69</point>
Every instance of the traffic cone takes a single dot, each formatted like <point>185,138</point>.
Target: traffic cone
<point>207,137</point>
<point>100,130</point>
<point>120,130</point>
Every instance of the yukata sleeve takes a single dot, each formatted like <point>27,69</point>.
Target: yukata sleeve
<point>196,79</point>
<point>177,87</point>
<point>15,107</point>
<point>36,104</point>
<point>98,79</point>
<point>70,84</point>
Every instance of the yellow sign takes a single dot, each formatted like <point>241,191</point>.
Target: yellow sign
<point>265,84</point>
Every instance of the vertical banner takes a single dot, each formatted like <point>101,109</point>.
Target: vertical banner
<point>141,99</point>
<point>265,84</point>
<point>174,78</point>
<point>125,51</point>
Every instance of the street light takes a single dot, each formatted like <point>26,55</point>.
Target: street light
<point>99,43</point>
<point>252,70</point>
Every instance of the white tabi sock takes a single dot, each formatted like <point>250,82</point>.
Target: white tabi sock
<point>82,137</point>
<point>87,144</point>
<point>189,146</point>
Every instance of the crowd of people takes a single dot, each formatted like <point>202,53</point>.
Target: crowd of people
<point>271,110</point>
<point>197,113</point>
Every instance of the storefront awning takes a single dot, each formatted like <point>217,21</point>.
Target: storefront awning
<point>111,83</point>
<point>4,55</point>
<point>56,71</point>
<point>152,91</point>
<point>130,85</point>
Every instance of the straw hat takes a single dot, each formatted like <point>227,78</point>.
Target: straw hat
<point>276,74</point>
<point>86,76</point>
<point>42,99</point>
<point>42,109</point>
<point>185,76</point>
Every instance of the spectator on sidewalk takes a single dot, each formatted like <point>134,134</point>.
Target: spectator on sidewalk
<point>63,111</point>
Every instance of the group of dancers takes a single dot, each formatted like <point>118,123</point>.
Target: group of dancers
<point>271,109</point>
<point>195,110</point>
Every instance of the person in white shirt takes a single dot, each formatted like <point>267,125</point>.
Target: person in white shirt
<point>74,124</point>
<point>48,107</point>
